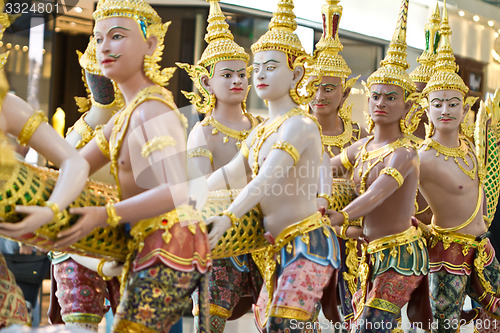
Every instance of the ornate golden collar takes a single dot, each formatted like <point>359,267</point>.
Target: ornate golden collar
<point>228,132</point>
<point>462,151</point>
<point>338,140</point>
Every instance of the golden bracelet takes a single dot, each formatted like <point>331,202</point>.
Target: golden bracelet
<point>394,173</point>
<point>201,152</point>
<point>289,148</point>
<point>31,125</point>
<point>157,143</point>
<point>53,207</point>
<point>345,160</point>
<point>343,231</point>
<point>232,217</point>
<point>85,131</point>
<point>99,270</point>
<point>101,141</point>
<point>102,106</point>
<point>345,215</point>
<point>113,219</point>
<point>327,198</point>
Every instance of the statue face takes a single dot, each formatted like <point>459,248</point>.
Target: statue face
<point>271,76</point>
<point>229,83</point>
<point>329,96</point>
<point>120,48</point>
<point>446,109</point>
<point>386,103</point>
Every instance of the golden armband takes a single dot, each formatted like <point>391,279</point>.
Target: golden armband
<point>345,160</point>
<point>289,148</point>
<point>394,173</point>
<point>113,219</point>
<point>31,126</point>
<point>157,143</point>
<point>201,152</point>
<point>345,225</point>
<point>101,141</point>
<point>244,149</point>
<point>84,129</point>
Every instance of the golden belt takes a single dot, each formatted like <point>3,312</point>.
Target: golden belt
<point>406,237</point>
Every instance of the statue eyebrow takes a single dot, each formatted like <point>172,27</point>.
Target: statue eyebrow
<point>243,69</point>
<point>227,69</point>
<point>118,27</point>
<point>439,99</point>
<point>455,97</point>
<point>329,84</point>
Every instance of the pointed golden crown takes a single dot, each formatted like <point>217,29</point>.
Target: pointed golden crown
<point>328,60</point>
<point>393,68</point>
<point>134,9</point>
<point>428,57</point>
<point>221,44</point>
<point>445,75</point>
<point>281,34</point>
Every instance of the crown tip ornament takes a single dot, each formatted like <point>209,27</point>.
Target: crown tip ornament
<point>427,59</point>
<point>328,61</point>
<point>445,75</point>
<point>281,34</point>
<point>393,67</point>
<point>221,44</point>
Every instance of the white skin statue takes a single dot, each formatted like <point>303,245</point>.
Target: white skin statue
<point>229,84</point>
<point>120,51</point>
<point>442,182</point>
<point>273,79</point>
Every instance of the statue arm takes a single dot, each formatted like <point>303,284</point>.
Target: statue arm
<point>198,150</point>
<point>406,162</point>
<point>325,181</point>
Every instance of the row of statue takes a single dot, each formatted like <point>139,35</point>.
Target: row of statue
<point>296,213</point>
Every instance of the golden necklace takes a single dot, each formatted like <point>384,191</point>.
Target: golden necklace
<point>263,131</point>
<point>378,154</point>
<point>338,140</point>
<point>460,152</point>
<point>239,136</point>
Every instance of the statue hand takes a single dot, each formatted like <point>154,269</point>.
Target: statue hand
<point>36,216</point>
<point>91,218</point>
<point>220,224</point>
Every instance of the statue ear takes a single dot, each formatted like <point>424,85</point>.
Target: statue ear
<point>205,83</point>
<point>151,42</point>
<point>298,73</point>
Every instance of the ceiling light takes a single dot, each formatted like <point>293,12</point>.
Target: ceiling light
<point>461,13</point>
<point>491,23</point>
<point>475,18</point>
<point>78,9</point>
<point>496,34</point>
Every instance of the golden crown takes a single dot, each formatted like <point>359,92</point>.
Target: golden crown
<point>134,9</point>
<point>281,34</point>
<point>393,68</point>
<point>221,44</point>
<point>445,75</point>
<point>428,57</point>
<point>328,61</point>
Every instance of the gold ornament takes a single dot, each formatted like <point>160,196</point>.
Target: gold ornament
<point>88,60</point>
<point>428,57</point>
<point>281,37</point>
<point>445,71</point>
<point>393,68</point>
<point>239,136</point>
<point>328,61</point>
<point>221,44</point>
<point>149,23</point>
<point>221,47</point>
<point>461,152</point>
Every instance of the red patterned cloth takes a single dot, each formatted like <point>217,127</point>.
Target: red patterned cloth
<point>81,293</point>
<point>13,308</point>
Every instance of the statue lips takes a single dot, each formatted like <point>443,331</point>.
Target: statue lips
<point>107,61</point>
<point>262,86</point>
